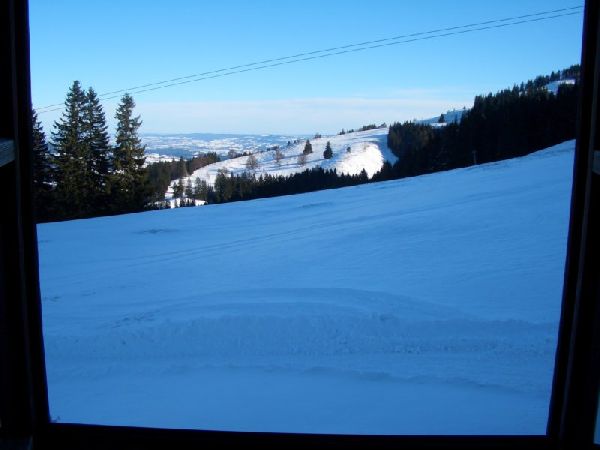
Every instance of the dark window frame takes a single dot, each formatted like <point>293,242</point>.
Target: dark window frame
<point>24,412</point>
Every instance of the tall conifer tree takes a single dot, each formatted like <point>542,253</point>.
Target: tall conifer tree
<point>42,171</point>
<point>95,138</point>
<point>73,183</point>
<point>328,153</point>
<point>307,148</point>
<point>130,179</point>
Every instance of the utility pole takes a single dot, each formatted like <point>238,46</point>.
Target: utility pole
<point>474,157</point>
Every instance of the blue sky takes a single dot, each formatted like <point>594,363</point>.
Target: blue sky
<point>114,45</point>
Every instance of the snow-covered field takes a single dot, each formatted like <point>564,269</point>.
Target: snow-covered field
<point>188,145</point>
<point>423,305</point>
<point>368,151</point>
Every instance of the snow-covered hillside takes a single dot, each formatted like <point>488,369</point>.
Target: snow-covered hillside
<point>368,151</point>
<point>554,85</point>
<point>423,305</point>
<point>450,116</point>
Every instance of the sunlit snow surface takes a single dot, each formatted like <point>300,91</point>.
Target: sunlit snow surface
<point>422,305</point>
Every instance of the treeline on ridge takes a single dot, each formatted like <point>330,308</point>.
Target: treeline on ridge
<point>513,122</point>
<point>162,173</point>
<point>248,187</point>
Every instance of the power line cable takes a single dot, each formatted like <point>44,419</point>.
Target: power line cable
<point>350,48</point>
<point>360,44</point>
<point>218,75</point>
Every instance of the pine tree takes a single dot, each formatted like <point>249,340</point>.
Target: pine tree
<point>130,180</point>
<point>182,168</point>
<point>72,178</point>
<point>178,189</point>
<point>307,148</point>
<point>363,177</point>
<point>328,153</point>
<point>42,172</point>
<point>189,190</point>
<point>95,138</point>
<point>223,189</point>
<point>201,190</point>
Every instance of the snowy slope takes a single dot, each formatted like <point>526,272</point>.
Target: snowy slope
<point>554,85</point>
<point>368,151</point>
<point>423,305</point>
<point>450,116</point>
<point>152,158</point>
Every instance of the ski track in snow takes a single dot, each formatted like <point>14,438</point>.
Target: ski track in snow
<point>422,305</point>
